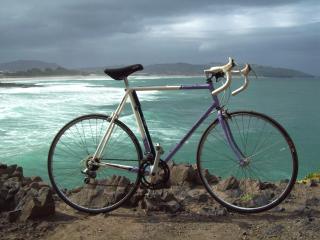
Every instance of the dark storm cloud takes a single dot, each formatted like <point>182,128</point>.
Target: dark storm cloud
<point>101,32</point>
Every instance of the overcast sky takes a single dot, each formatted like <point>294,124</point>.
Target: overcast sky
<point>79,33</point>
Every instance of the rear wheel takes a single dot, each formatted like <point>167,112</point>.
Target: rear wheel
<point>266,174</point>
<point>105,188</point>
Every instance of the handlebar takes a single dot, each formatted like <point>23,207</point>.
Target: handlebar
<point>227,70</point>
<point>245,72</point>
<point>221,69</point>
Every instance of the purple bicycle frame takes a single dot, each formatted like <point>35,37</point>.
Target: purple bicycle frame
<point>221,119</point>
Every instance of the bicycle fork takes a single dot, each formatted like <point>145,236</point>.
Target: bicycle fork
<point>222,115</point>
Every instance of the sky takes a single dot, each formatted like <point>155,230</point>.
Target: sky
<point>88,33</point>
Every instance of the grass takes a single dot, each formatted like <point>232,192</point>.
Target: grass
<point>310,176</point>
<point>246,197</point>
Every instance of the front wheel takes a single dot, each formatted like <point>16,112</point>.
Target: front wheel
<point>70,153</point>
<point>263,177</point>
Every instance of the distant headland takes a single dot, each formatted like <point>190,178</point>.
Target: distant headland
<point>33,68</point>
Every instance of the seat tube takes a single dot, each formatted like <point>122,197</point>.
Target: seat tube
<point>228,134</point>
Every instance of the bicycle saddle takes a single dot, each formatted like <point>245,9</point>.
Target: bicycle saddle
<point>122,73</point>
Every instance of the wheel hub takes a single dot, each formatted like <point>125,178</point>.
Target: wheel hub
<point>245,162</point>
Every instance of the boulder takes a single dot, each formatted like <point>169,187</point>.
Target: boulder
<point>182,173</point>
<point>212,179</point>
<point>161,202</point>
<point>36,204</point>
<point>101,192</point>
<point>7,169</point>
<point>23,198</point>
<point>213,211</point>
<point>227,184</point>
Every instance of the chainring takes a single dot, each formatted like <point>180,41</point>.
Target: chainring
<point>163,176</point>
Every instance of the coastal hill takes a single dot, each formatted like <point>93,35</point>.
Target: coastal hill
<point>24,65</point>
<point>32,68</point>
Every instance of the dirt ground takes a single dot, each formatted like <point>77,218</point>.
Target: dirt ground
<point>297,218</point>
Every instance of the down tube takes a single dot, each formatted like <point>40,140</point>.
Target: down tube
<point>194,127</point>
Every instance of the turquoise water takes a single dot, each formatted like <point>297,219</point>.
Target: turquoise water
<point>30,117</point>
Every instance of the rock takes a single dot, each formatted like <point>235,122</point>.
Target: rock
<point>37,204</point>
<point>23,198</point>
<point>164,201</point>
<point>36,179</point>
<point>167,196</point>
<point>26,181</point>
<point>101,192</point>
<point>18,173</point>
<point>314,201</point>
<point>278,209</point>
<point>227,184</point>
<point>8,170</point>
<point>13,215</point>
<point>4,176</point>
<point>136,198</point>
<point>197,196</point>
<point>172,206</point>
<point>34,185</point>
<point>213,211</point>
<point>266,185</point>
<point>210,178</point>
<point>313,183</point>
<point>275,230</point>
<point>3,166</point>
<point>181,174</point>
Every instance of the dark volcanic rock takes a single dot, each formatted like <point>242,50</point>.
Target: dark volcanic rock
<point>23,198</point>
<point>161,202</point>
<point>229,183</point>
<point>181,174</point>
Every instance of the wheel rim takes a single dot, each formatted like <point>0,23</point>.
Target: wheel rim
<point>70,153</point>
<point>266,173</point>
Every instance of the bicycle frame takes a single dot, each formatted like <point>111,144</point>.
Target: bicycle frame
<point>142,126</point>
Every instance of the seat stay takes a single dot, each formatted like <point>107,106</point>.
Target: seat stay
<point>110,128</point>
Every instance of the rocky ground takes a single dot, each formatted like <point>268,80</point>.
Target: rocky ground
<point>29,210</point>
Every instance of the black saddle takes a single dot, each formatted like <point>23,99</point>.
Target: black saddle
<point>122,73</point>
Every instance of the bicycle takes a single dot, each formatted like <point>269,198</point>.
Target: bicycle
<point>246,160</point>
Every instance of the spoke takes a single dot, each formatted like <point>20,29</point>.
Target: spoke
<point>246,139</point>
<point>92,133</point>
<point>259,139</point>
<point>82,140</point>
<point>265,149</point>
<point>225,155</point>
<point>240,135</point>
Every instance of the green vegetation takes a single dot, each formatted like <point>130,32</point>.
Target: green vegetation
<point>246,197</point>
<point>310,176</point>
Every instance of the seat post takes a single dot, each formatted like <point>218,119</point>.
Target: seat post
<point>126,82</point>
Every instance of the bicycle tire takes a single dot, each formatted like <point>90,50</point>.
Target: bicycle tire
<point>236,189</point>
<point>68,155</point>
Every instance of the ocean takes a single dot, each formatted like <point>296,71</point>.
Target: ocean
<point>31,116</point>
